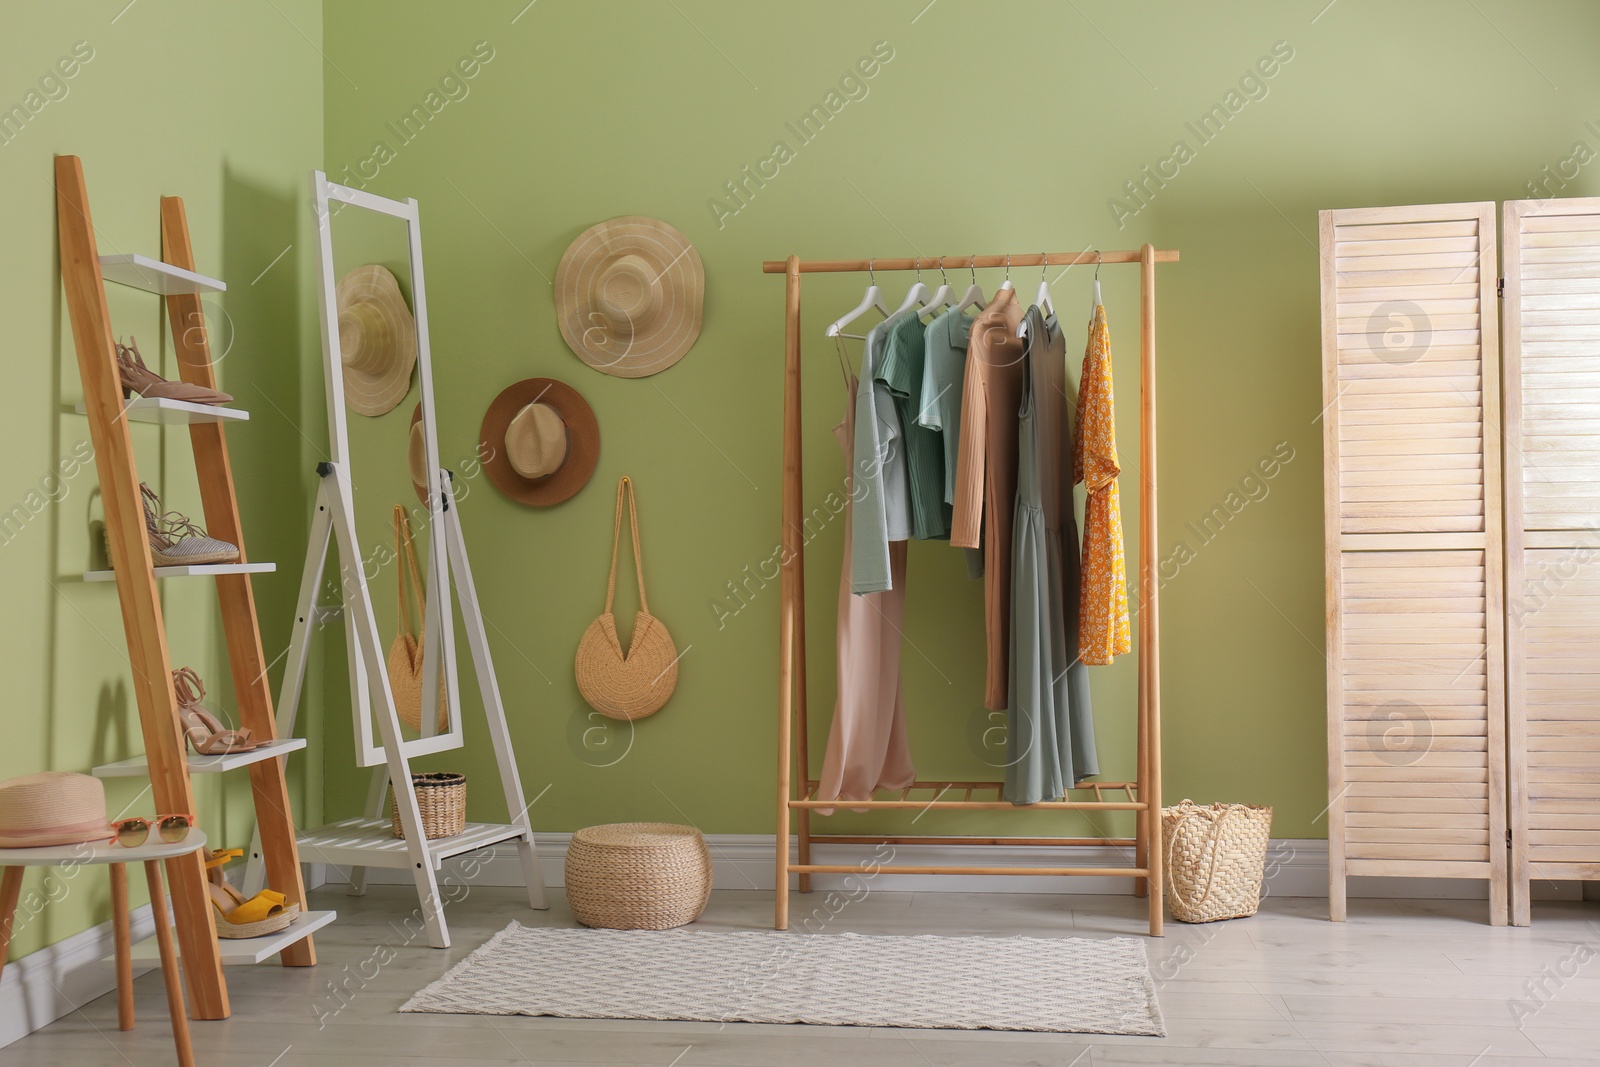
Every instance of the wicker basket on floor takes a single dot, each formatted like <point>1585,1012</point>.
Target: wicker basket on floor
<point>442,800</point>
<point>1216,858</point>
<point>638,875</point>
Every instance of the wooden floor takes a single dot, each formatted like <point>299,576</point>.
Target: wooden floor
<point>1413,983</point>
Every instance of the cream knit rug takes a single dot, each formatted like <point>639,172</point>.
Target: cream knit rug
<point>1067,985</point>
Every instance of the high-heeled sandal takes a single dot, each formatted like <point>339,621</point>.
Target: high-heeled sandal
<point>265,913</point>
<point>175,540</point>
<point>203,729</point>
<point>138,378</point>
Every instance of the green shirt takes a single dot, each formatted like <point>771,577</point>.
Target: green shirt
<point>901,370</point>
<point>945,360</point>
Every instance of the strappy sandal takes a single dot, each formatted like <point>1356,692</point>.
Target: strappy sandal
<point>175,541</point>
<point>138,378</point>
<point>203,729</point>
<point>265,913</point>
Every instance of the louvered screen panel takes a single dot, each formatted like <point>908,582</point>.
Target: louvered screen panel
<point>1552,267</point>
<point>1416,738</point>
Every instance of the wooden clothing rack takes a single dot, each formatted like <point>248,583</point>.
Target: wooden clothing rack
<point>1142,796</point>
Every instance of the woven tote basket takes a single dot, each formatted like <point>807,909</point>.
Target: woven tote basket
<point>635,683</point>
<point>405,654</point>
<point>638,875</point>
<point>442,800</point>
<point>1216,857</point>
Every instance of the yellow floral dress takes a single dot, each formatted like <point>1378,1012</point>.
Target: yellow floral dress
<point>1103,629</point>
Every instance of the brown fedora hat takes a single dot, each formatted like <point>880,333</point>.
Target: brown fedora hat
<point>417,455</point>
<point>540,440</point>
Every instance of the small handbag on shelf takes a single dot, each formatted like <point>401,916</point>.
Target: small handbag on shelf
<point>405,654</point>
<point>634,683</point>
<point>1216,858</point>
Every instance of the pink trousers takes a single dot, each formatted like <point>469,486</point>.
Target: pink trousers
<point>867,745</point>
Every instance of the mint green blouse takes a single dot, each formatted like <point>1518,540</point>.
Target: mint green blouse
<point>901,370</point>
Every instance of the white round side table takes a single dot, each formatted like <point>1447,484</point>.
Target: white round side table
<point>151,853</point>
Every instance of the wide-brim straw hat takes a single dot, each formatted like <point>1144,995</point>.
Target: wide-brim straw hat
<point>629,294</point>
<point>52,808</point>
<point>377,340</point>
<point>541,441</point>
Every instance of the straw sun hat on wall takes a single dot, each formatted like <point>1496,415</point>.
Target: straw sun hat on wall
<point>377,340</point>
<point>629,294</point>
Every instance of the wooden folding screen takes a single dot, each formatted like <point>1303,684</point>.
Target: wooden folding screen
<point>1552,515</point>
<point>1416,712</point>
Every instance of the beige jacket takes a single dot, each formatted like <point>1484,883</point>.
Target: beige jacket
<point>986,472</point>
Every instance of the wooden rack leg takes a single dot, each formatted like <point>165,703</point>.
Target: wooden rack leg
<point>1149,591</point>
<point>136,584</point>
<point>122,936</point>
<point>10,892</point>
<point>169,961</point>
<point>789,588</point>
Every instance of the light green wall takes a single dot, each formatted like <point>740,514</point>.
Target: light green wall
<point>994,127</point>
<point>221,105</point>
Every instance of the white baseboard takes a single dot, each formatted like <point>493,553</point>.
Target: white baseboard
<point>1295,868</point>
<point>42,986</point>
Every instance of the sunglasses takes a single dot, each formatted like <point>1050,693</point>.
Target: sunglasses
<point>131,833</point>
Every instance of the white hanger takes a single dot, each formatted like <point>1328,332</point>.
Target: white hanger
<point>944,296</point>
<point>1007,283</point>
<point>872,300</point>
<point>918,295</point>
<point>973,297</point>
<point>1042,298</point>
<point>1097,300</point>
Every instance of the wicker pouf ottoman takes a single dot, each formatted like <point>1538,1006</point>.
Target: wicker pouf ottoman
<point>638,875</point>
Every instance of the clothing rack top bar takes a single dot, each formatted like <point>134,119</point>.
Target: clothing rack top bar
<point>1030,259</point>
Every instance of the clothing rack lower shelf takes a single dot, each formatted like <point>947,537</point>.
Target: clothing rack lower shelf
<point>940,789</point>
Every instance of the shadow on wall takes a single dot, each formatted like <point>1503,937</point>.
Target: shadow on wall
<point>257,342</point>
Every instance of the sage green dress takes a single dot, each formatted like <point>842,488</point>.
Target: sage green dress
<point>1050,727</point>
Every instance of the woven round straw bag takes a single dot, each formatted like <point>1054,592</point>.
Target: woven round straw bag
<point>1216,858</point>
<point>405,654</point>
<point>638,875</point>
<point>635,683</point>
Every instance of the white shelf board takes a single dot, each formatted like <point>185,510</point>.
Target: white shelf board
<point>371,843</point>
<point>175,412</point>
<point>206,569</point>
<point>154,276</point>
<point>139,767</point>
<point>236,950</point>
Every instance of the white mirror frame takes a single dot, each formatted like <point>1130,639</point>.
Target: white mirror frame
<point>369,684</point>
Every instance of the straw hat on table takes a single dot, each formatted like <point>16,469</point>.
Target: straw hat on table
<point>53,808</point>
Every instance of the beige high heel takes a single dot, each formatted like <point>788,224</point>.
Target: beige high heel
<point>138,378</point>
<point>202,729</point>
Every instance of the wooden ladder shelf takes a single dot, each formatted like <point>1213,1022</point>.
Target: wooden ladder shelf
<point>165,757</point>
